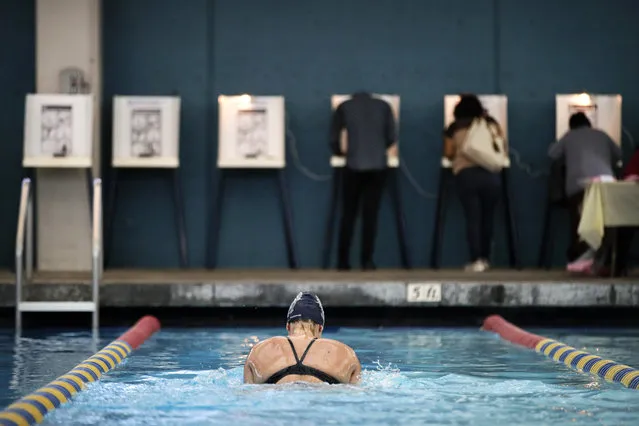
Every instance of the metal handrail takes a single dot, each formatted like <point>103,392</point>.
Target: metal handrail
<point>97,218</point>
<point>24,240</point>
<point>22,215</point>
<point>24,225</point>
<point>96,252</point>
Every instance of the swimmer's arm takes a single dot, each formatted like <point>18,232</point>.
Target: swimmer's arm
<point>356,374</point>
<point>249,377</point>
<point>356,369</point>
<point>249,366</point>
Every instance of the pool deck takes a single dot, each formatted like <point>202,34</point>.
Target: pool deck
<point>276,288</point>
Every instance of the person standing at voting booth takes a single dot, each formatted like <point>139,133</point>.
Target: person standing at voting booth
<point>370,134</point>
<point>475,144</point>
<point>586,153</point>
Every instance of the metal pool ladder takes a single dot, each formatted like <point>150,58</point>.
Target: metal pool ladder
<point>24,270</point>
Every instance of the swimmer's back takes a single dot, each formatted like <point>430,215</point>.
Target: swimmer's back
<point>326,355</point>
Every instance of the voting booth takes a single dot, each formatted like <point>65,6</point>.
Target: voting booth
<point>146,140</point>
<point>604,113</point>
<point>251,138</point>
<point>497,107</point>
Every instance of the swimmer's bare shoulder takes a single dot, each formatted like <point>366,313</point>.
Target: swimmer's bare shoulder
<point>350,360</point>
<point>267,344</point>
<point>265,358</point>
<point>250,365</point>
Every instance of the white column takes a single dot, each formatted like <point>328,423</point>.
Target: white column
<point>68,34</point>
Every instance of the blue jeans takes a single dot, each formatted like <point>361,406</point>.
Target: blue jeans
<point>479,191</point>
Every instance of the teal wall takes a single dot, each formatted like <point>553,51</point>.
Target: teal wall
<point>306,51</point>
<point>17,72</point>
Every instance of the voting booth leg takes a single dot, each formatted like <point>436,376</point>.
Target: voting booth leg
<point>613,254</point>
<point>89,174</point>
<point>511,227</point>
<point>331,217</point>
<point>399,219</point>
<point>546,246</point>
<point>287,216</point>
<point>180,219</point>
<point>110,214</point>
<point>440,217</point>
<point>216,221</point>
<point>178,208</point>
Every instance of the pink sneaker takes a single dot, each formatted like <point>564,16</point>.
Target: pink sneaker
<point>580,266</point>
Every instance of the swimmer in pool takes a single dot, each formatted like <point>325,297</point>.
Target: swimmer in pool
<point>277,360</point>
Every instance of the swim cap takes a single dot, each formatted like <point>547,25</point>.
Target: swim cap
<point>306,306</point>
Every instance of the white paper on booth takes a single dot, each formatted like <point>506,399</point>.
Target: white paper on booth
<point>252,132</point>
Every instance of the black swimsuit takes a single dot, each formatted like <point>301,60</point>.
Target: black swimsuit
<point>300,369</point>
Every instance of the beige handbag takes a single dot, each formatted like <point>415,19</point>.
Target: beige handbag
<point>484,146</point>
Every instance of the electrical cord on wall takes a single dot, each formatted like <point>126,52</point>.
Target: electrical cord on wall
<point>413,182</point>
<point>297,161</point>
<point>629,137</point>
<point>515,156</point>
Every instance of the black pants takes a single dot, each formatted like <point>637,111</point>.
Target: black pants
<point>624,244</point>
<point>576,247</point>
<point>359,189</point>
<point>479,192</point>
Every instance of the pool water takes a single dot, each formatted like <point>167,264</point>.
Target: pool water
<point>411,377</point>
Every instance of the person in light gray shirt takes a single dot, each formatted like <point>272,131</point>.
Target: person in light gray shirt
<point>587,153</point>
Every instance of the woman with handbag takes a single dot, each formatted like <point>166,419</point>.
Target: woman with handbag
<point>475,144</point>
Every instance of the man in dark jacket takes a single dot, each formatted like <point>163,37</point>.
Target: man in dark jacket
<point>370,129</point>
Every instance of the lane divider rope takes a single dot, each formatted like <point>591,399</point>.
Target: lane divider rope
<point>32,408</point>
<point>580,361</point>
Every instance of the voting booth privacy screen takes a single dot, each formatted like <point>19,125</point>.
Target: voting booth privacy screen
<point>58,131</point>
<point>252,132</point>
<point>603,111</point>
<point>146,131</point>
<point>392,100</point>
<point>496,105</point>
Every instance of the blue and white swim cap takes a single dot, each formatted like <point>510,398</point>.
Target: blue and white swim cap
<point>306,306</point>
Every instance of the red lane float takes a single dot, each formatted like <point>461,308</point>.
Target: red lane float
<point>141,331</point>
<point>511,332</point>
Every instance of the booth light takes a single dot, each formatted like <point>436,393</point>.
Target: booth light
<point>244,99</point>
<point>583,100</point>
